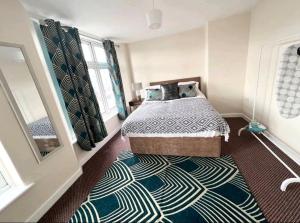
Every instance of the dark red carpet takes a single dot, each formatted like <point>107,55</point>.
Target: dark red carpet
<point>262,172</point>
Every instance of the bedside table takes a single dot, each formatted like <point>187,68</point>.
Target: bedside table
<point>134,104</point>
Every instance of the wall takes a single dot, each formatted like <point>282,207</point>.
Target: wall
<point>273,22</point>
<point>216,52</point>
<point>22,87</point>
<point>126,70</point>
<point>48,177</point>
<point>166,58</point>
<point>227,45</point>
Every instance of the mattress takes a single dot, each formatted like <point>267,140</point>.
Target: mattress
<point>186,117</point>
<point>41,128</point>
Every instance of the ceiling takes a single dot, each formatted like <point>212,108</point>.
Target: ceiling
<point>124,20</point>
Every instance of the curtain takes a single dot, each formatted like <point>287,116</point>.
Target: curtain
<point>65,52</point>
<point>116,78</point>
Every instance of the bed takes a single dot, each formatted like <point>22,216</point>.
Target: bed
<point>181,127</point>
<point>43,134</point>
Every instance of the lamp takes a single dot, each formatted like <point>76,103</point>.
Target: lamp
<point>154,17</point>
<point>137,87</point>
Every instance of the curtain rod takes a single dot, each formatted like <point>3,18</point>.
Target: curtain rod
<point>87,35</point>
<point>94,37</point>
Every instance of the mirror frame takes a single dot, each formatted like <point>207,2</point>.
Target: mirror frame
<point>14,106</point>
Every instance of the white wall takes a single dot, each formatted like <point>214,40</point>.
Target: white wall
<point>216,52</point>
<point>227,45</point>
<point>273,22</point>
<point>55,171</point>
<point>22,87</point>
<point>166,58</point>
<point>126,70</point>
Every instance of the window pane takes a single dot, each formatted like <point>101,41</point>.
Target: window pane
<point>108,88</point>
<point>100,54</point>
<point>95,83</point>
<point>111,101</point>
<point>3,183</point>
<point>87,52</point>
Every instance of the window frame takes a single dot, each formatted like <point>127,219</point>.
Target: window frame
<point>7,180</point>
<point>97,67</point>
<point>15,186</point>
<point>5,162</point>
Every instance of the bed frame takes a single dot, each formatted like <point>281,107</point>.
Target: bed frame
<point>177,146</point>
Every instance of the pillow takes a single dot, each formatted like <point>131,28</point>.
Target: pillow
<point>153,87</point>
<point>170,91</point>
<point>188,90</point>
<point>144,90</point>
<point>200,94</point>
<point>153,94</point>
<point>189,82</point>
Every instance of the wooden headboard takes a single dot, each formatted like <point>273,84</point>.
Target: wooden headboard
<point>197,79</point>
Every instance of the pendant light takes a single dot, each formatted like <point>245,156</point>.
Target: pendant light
<point>154,17</point>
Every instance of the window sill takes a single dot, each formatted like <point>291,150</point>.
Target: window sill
<point>12,194</point>
<point>105,117</point>
<point>108,116</point>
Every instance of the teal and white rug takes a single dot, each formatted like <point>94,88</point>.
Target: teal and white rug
<point>152,188</point>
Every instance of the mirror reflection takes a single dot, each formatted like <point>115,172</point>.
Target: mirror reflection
<point>18,82</point>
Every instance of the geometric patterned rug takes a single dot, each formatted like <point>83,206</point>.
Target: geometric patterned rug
<point>154,188</point>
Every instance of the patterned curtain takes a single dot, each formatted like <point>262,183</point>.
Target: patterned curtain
<point>116,78</point>
<point>71,71</point>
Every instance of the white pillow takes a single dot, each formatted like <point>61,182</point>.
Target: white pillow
<point>199,93</point>
<point>144,90</point>
<point>189,82</point>
<point>153,87</point>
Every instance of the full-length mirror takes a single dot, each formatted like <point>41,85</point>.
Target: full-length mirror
<point>26,101</point>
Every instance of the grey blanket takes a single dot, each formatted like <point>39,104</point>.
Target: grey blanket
<point>41,127</point>
<point>183,117</point>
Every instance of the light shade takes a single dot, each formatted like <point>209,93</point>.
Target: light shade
<point>137,86</point>
<point>154,18</point>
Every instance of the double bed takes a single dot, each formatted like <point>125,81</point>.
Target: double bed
<point>183,127</point>
<point>43,134</point>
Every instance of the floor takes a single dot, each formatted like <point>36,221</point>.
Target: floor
<point>262,172</point>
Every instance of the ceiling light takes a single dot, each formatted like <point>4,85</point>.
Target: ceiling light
<point>154,17</point>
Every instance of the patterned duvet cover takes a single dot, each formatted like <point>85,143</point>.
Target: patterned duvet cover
<point>187,117</point>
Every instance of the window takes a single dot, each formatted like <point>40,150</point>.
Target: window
<point>11,185</point>
<point>96,60</point>
<point>4,177</point>
<point>3,184</point>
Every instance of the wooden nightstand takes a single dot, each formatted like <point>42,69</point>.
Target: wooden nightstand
<point>134,104</point>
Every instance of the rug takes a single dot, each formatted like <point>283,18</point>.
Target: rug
<point>154,188</point>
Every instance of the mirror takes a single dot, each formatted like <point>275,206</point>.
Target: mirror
<point>23,94</point>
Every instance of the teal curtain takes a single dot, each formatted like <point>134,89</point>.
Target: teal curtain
<point>115,76</point>
<point>65,52</point>
<point>52,74</point>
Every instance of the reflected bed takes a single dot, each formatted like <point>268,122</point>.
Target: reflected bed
<point>43,134</point>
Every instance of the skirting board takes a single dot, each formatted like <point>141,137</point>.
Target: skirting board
<point>232,115</point>
<point>290,152</point>
<point>51,200</point>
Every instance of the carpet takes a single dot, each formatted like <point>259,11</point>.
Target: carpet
<point>153,188</point>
